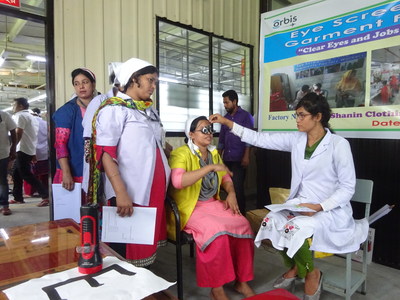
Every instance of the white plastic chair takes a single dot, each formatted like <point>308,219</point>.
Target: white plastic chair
<point>345,282</point>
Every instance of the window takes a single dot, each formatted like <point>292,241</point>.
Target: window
<point>186,87</point>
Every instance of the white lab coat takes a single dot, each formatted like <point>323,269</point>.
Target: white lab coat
<point>327,178</point>
<point>137,138</point>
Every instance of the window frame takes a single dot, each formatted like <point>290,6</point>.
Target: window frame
<point>211,83</point>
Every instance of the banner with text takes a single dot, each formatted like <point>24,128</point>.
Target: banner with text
<point>348,51</point>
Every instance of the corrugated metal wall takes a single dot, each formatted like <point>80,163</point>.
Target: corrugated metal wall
<point>91,33</point>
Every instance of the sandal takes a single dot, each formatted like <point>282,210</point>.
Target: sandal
<point>6,211</point>
<point>44,202</point>
<point>13,201</point>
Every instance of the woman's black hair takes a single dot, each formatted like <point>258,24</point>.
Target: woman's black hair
<point>84,72</point>
<point>135,76</point>
<point>194,125</point>
<point>315,104</point>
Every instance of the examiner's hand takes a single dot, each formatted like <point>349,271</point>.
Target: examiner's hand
<point>217,118</point>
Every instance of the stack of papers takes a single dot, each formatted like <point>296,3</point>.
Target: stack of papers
<point>380,213</point>
<point>291,207</point>
<point>136,229</point>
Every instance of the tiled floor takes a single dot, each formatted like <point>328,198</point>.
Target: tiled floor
<point>383,283</point>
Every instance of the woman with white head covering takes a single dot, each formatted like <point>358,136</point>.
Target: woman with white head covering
<point>224,239</point>
<point>88,118</point>
<point>127,143</point>
<point>68,122</point>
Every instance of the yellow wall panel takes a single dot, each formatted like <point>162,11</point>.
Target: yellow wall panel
<point>172,10</point>
<point>185,12</point>
<point>129,24</point>
<point>94,43</point>
<point>111,29</point>
<point>247,22</point>
<point>74,41</point>
<point>146,31</point>
<point>160,8</point>
<point>198,13</point>
<point>93,33</point>
<point>228,20</point>
<point>208,15</point>
<point>238,25</point>
<point>59,50</point>
<point>218,17</point>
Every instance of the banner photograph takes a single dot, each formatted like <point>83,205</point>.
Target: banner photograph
<point>349,52</point>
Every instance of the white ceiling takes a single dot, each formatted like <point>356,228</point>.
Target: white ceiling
<point>19,76</point>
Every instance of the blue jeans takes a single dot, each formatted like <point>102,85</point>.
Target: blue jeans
<point>3,182</point>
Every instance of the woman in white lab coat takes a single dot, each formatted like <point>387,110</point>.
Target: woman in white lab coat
<point>323,179</point>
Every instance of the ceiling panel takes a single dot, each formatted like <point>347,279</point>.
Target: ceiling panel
<point>20,76</point>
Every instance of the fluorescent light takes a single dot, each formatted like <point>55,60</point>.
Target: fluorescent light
<point>34,99</point>
<point>3,56</point>
<point>37,98</point>
<point>36,58</point>
<point>166,79</point>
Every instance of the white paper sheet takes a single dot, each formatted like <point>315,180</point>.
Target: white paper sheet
<point>291,207</point>
<point>66,203</point>
<point>136,229</point>
<point>384,210</point>
<point>117,280</point>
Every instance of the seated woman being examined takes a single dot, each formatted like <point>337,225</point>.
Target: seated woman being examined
<point>323,180</point>
<point>224,239</point>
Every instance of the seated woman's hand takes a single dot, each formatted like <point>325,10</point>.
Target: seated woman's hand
<point>231,203</point>
<point>220,168</point>
<point>124,205</point>
<point>316,207</point>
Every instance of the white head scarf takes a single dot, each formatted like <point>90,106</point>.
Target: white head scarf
<point>112,69</point>
<point>190,143</point>
<point>124,71</point>
<point>91,74</point>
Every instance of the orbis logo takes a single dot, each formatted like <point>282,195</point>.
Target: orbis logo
<point>288,21</point>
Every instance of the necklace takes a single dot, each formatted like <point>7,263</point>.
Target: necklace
<point>81,102</point>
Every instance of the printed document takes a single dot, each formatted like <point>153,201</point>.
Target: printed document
<point>136,229</point>
<point>67,204</point>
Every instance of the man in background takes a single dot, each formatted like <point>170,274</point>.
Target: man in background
<point>235,153</point>
<point>41,168</point>
<point>7,154</point>
<point>27,130</point>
